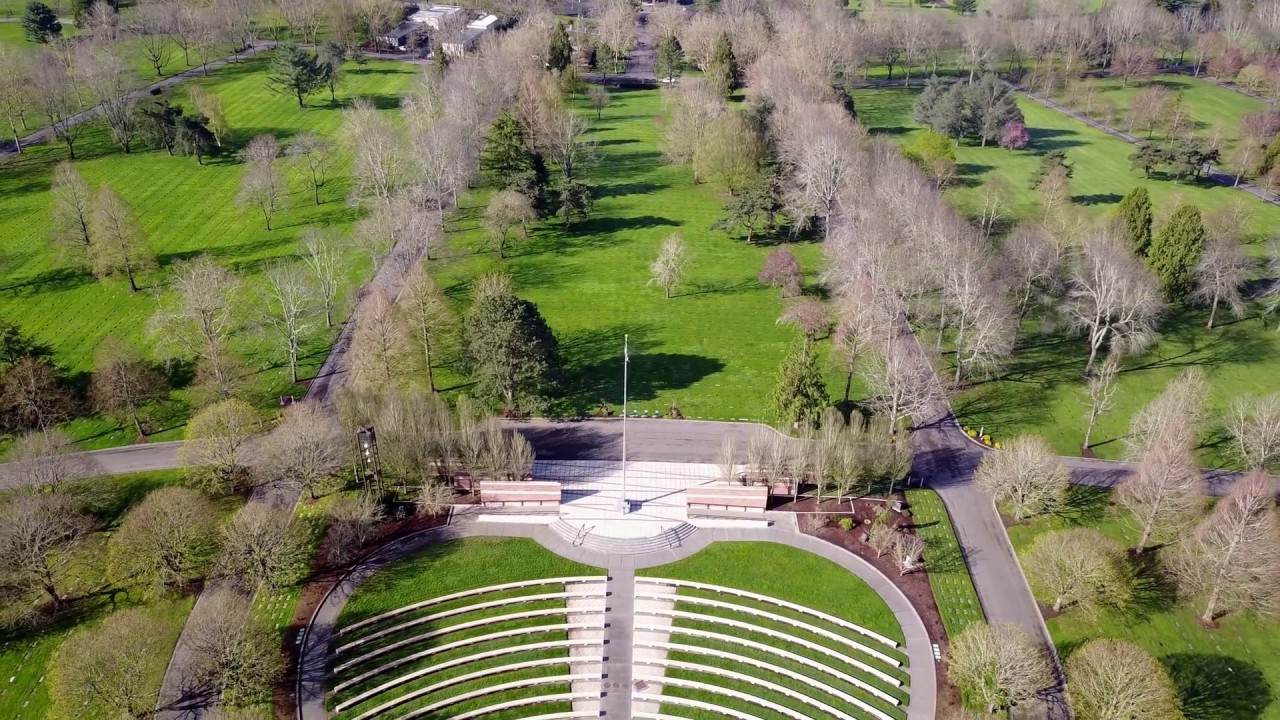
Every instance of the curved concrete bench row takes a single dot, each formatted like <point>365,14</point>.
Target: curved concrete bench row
<point>600,579</point>
<point>454,628</point>
<point>734,657</point>
<point>771,601</point>
<point>666,663</point>
<point>477,675</point>
<point>686,702</point>
<point>499,707</point>
<point>821,632</point>
<point>510,704</point>
<point>705,707</point>
<point>712,690</point>
<point>466,609</point>
<point>735,640</point>
<point>457,662</point>
<point>407,659</point>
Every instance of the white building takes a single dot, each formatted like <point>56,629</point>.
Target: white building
<point>436,16</point>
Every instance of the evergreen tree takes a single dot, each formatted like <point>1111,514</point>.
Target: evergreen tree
<point>799,396</point>
<point>722,71</point>
<point>195,138</point>
<point>1052,159</point>
<point>1135,213</point>
<point>506,156</point>
<point>81,8</point>
<point>669,62</point>
<point>965,7</point>
<point>927,101</point>
<point>560,54</point>
<point>1176,249</point>
<point>753,209</point>
<point>993,106</point>
<point>159,124</point>
<point>40,24</point>
<point>296,72</point>
<point>511,352</point>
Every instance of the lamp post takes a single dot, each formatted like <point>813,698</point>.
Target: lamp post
<point>368,464</point>
<point>626,362</point>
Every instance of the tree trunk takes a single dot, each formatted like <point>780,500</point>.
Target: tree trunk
<point>848,385</point>
<point>328,313</point>
<point>316,186</point>
<point>1213,311</point>
<point>1057,604</point>
<point>17,141</point>
<point>426,349</point>
<point>133,284</point>
<point>1210,607</point>
<point>137,423</point>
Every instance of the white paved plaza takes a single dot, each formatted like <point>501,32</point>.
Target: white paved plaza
<point>592,493</point>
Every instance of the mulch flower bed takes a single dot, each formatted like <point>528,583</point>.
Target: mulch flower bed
<point>915,585</point>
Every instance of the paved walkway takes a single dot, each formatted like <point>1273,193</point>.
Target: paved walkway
<point>620,603</point>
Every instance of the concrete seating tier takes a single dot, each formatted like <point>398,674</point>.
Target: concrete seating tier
<point>879,675</point>
<point>768,685</point>
<point>722,590</point>
<point>566,581</point>
<point>524,702</point>
<point>492,620</point>
<point>465,609</point>
<point>705,707</point>
<point>656,678</point>
<point>503,687</point>
<point>756,612</point>
<point>520,647</point>
<point>459,679</point>
<point>465,660</point>
<point>733,657</point>
<point>514,632</point>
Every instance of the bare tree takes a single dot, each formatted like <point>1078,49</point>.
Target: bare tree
<point>1113,297</point>
<point>1221,271</point>
<point>380,162</point>
<point>998,665</point>
<point>35,531</point>
<point>233,651</point>
<point>782,270</point>
<point>693,106</point>
<point>1118,679</point>
<point>33,395</point>
<point>353,523</point>
<point>323,254</point>
<point>1101,387</point>
<point>1077,567</point>
<point>199,318</point>
<point>306,449</point>
<point>216,450</point>
<point>314,156</point>
<point>110,81</point>
<point>72,212</point>
<point>123,384</point>
<point>15,90</point>
<point>1232,560</point>
<point>262,546</point>
<point>401,220</point>
<point>380,349</point>
<point>616,30</point>
<point>567,144</point>
<point>1026,478</point>
<point>669,267</point>
<point>119,245</point>
<point>426,310</point>
<point>48,459</point>
<point>819,151</point>
<point>289,309</point>
<point>599,97</point>
<point>54,96</point>
<point>507,211</point>
<point>1184,400</point>
<point>150,26</point>
<point>908,551</point>
<point>210,106</point>
<point>262,184</point>
<point>1165,494</point>
<point>1254,424</point>
<point>1033,265</point>
<point>166,540</point>
<point>106,670</point>
<point>901,382</point>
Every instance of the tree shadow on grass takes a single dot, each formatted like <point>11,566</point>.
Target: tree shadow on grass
<point>1218,687</point>
<point>1085,506</point>
<point>606,225</point>
<point>1097,199</point>
<point>1045,139</point>
<point>1152,590</point>
<point>622,189</point>
<point>57,279</point>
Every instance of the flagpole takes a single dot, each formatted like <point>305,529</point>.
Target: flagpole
<point>626,362</point>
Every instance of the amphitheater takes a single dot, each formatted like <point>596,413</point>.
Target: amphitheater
<point>608,623</point>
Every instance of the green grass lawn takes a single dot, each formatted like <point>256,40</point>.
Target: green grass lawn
<point>1208,106</point>
<point>786,573</point>
<point>25,652</point>
<point>714,348</point>
<point>1230,673</point>
<point>185,210</point>
<point>948,574</point>
<point>1041,391</point>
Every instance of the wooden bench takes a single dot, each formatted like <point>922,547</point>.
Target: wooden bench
<point>534,494</point>
<point>727,500</point>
